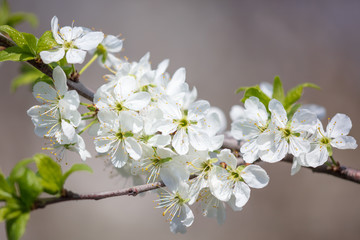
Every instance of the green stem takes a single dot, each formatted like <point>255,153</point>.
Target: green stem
<point>333,161</point>
<point>87,114</point>
<point>85,104</point>
<point>328,164</point>
<point>89,125</point>
<point>73,69</point>
<point>89,63</point>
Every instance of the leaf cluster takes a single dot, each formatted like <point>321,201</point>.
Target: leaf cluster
<point>20,191</point>
<point>288,100</point>
<point>13,19</point>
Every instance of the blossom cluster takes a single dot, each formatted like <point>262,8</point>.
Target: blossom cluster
<point>152,127</point>
<point>270,134</point>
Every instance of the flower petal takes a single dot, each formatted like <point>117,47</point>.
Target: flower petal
<point>255,176</point>
<point>52,55</point>
<point>75,56</point>
<point>339,125</point>
<point>344,142</point>
<point>89,41</point>
<point>242,194</point>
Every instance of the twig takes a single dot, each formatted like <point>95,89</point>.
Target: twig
<point>46,69</point>
<point>339,171</point>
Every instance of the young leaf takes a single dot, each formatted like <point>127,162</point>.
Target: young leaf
<point>15,35</point>
<point>278,92</point>
<point>15,228</point>
<point>46,42</point>
<point>25,79</point>
<point>18,170</point>
<point>4,12</point>
<point>295,93</point>
<point>29,186</point>
<point>293,110</point>
<point>50,172</point>
<point>19,17</point>
<point>5,189</point>
<point>75,168</point>
<point>15,54</point>
<point>256,92</point>
<point>32,42</point>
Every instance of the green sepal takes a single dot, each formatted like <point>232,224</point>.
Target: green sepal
<point>75,168</point>
<point>16,54</point>
<point>50,173</point>
<point>15,228</point>
<point>293,110</point>
<point>295,93</point>
<point>46,42</point>
<point>278,90</point>
<point>256,92</point>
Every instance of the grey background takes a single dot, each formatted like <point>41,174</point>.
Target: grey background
<point>223,45</point>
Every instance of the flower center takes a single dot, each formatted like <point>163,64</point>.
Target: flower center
<point>122,135</point>
<point>67,45</point>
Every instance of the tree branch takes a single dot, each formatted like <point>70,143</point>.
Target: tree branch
<point>47,70</point>
<point>339,171</point>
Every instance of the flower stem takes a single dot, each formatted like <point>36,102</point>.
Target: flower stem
<point>89,125</point>
<point>87,114</point>
<point>89,63</point>
<point>85,104</point>
<point>333,161</point>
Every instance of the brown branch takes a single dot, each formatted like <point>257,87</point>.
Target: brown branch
<point>47,70</point>
<point>339,171</point>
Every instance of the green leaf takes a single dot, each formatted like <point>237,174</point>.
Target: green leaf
<point>32,42</point>
<point>19,169</point>
<point>15,54</point>
<point>25,79</point>
<point>46,42</point>
<point>278,92</point>
<point>30,187</point>
<point>4,12</point>
<point>241,89</point>
<point>256,92</point>
<point>75,168</point>
<point>15,35</point>
<point>19,17</point>
<point>295,94</point>
<point>50,172</point>
<point>293,110</point>
<point>15,228</point>
<point>5,189</point>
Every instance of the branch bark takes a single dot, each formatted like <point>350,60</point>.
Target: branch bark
<point>339,171</point>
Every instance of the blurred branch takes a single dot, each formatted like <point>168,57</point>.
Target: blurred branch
<point>47,70</point>
<point>339,171</point>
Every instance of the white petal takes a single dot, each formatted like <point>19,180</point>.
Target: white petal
<point>125,87</point>
<point>68,130</point>
<point>198,110</point>
<point>298,145</point>
<point>133,148</point>
<point>227,157</point>
<point>241,193</point>
<point>320,111</point>
<point>198,139</point>
<point>176,82</point>
<point>54,29</point>
<point>112,43</point>
<point>43,92</point>
<point>250,150</point>
<point>89,41</point>
<point>304,121</point>
<point>160,140</point>
<point>75,56</point>
<point>278,113</point>
<point>315,158</point>
<point>60,80</point>
<point>137,101</point>
<point>219,187</point>
<point>52,55</point>
<point>276,152</point>
<point>181,142</point>
<point>120,157</point>
<point>256,111</point>
<point>295,167</point>
<point>344,142</point>
<point>255,176</point>
<point>339,125</point>
<point>236,112</point>
<point>66,33</point>
<point>267,88</point>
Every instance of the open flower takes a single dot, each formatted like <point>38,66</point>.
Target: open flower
<point>73,41</point>
<point>227,180</point>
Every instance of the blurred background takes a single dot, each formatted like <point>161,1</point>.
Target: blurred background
<point>223,45</point>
